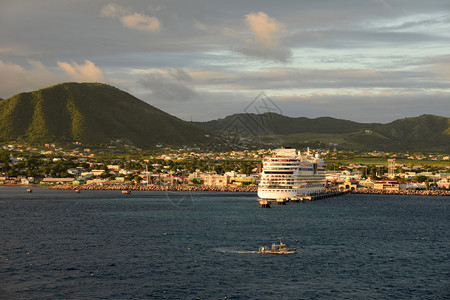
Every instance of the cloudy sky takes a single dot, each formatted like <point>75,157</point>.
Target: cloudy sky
<point>361,60</point>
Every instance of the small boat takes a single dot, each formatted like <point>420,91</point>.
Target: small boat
<point>276,249</point>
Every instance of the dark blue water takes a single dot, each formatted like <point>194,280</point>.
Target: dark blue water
<point>105,245</point>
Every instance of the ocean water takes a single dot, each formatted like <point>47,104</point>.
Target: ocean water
<point>156,245</point>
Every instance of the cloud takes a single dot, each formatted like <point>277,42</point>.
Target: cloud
<point>284,79</point>
<point>440,66</point>
<point>265,29</point>
<point>86,72</point>
<point>15,78</point>
<point>113,10</point>
<point>264,40</point>
<point>141,22</point>
<point>131,20</point>
<point>365,107</point>
<point>168,85</point>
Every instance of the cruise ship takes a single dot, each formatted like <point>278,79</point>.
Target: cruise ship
<point>287,174</point>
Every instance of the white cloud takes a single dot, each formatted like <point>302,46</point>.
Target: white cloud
<point>265,29</point>
<point>113,10</point>
<point>131,20</point>
<point>141,22</point>
<point>15,78</point>
<point>86,72</point>
<point>264,40</point>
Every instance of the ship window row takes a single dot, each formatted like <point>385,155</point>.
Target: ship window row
<point>274,159</point>
<point>276,163</point>
<point>276,177</point>
<point>277,181</point>
<point>282,163</point>
<point>279,175</point>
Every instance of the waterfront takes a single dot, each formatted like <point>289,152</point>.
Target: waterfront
<point>101,244</point>
<point>229,188</point>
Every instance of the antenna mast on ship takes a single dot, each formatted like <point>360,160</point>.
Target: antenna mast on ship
<point>300,154</point>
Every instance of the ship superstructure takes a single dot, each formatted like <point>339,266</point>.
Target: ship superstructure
<point>287,174</point>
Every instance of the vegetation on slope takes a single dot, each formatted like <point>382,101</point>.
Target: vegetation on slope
<point>96,114</point>
<point>423,133</point>
<point>93,114</point>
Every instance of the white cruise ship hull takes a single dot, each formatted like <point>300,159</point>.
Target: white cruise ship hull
<point>272,194</point>
<point>281,193</point>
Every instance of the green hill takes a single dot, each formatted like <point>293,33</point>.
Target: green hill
<point>98,115</point>
<point>93,114</point>
<point>423,133</point>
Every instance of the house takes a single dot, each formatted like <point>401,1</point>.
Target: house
<point>216,180</point>
<point>387,185</point>
<point>444,183</point>
<point>51,180</point>
<point>414,185</point>
<point>96,181</point>
<point>347,185</point>
<point>24,181</point>
<point>367,183</point>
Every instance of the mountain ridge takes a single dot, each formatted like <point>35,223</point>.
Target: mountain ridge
<point>101,115</point>
<point>92,114</point>
<point>422,133</point>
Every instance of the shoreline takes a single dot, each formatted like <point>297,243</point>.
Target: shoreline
<point>155,188</point>
<point>402,192</point>
<point>239,189</point>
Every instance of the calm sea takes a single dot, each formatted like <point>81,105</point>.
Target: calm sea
<point>156,245</point>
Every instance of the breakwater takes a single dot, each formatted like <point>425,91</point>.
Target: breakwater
<point>154,187</point>
<point>243,189</point>
<point>402,192</point>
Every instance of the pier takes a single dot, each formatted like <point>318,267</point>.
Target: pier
<point>282,201</point>
<point>265,203</point>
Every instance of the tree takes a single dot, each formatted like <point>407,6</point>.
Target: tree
<point>197,181</point>
<point>137,179</point>
<point>420,178</point>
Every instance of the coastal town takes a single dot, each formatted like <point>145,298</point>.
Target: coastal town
<point>235,171</point>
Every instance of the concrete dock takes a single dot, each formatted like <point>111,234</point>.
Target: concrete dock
<point>265,203</point>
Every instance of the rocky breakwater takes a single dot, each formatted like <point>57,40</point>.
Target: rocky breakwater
<point>152,187</point>
<point>402,192</point>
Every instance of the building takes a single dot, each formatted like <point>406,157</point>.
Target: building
<point>216,180</point>
<point>444,183</point>
<point>367,183</point>
<point>347,185</point>
<point>50,180</point>
<point>386,185</point>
